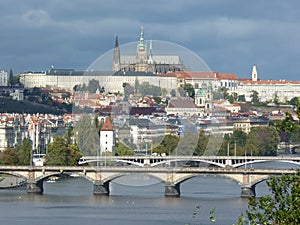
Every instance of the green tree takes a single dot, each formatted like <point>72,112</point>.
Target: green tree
<point>295,135</point>
<point>239,136</point>
<point>265,139</point>
<point>122,149</point>
<point>93,86</point>
<point>221,93</point>
<point>60,153</point>
<point>24,151</point>
<point>10,156</point>
<point>276,99</point>
<point>87,135</point>
<point>157,99</point>
<point>145,89</point>
<point>164,92</point>
<point>285,127</point>
<point>281,206</point>
<point>167,144</point>
<point>189,90</point>
<point>46,98</point>
<point>231,99</point>
<point>241,98</point>
<point>294,101</point>
<point>36,91</point>
<point>254,97</point>
<point>11,77</point>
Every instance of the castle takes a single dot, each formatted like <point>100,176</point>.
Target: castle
<point>145,61</point>
<point>165,71</point>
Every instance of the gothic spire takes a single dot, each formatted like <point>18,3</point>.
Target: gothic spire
<point>117,42</point>
<point>117,62</point>
<point>141,45</point>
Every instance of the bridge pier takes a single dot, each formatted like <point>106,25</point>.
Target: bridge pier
<point>101,188</point>
<point>35,187</point>
<point>247,188</point>
<point>248,191</point>
<point>172,190</point>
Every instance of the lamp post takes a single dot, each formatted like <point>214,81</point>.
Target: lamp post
<point>245,160</point>
<point>234,148</point>
<point>169,157</point>
<point>228,149</point>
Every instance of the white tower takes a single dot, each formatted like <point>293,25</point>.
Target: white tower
<point>254,73</point>
<point>106,136</point>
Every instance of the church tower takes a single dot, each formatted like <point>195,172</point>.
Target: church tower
<point>141,54</point>
<point>117,62</point>
<point>254,73</point>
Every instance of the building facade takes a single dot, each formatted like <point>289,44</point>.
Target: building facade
<point>3,78</point>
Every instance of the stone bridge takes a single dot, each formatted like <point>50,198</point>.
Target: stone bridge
<point>172,177</point>
<point>219,161</point>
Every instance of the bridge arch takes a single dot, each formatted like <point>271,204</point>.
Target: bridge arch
<point>118,175</point>
<point>265,160</point>
<point>191,160</point>
<point>15,174</point>
<point>182,179</point>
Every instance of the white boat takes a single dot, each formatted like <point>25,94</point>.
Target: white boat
<point>52,179</point>
<point>74,175</point>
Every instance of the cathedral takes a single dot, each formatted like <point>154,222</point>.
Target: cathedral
<point>144,60</point>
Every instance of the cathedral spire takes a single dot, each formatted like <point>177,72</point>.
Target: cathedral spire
<point>141,45</point>
<point>117,61</point>
<point>117,42</point>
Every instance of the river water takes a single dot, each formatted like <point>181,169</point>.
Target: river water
<point>71,202</point>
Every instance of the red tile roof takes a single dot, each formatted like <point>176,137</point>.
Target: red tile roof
<point>268,82</point>
<point>229,76</point>
<point>196,75</point>
<point>107,126</point>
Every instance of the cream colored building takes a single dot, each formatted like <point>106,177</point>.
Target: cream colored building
<point>268,90</point>
<point>3,78</point>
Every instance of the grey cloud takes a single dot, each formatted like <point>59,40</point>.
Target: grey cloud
<point>229,35</point>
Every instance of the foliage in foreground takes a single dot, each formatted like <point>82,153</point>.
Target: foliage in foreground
<point>280,207</point>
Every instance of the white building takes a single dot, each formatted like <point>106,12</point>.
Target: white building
<point>3,78</point>
<point>18,94</point>
<point>106,136</point>
<point>268,90</point>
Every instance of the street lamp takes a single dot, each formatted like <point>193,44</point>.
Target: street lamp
<point>245,159</point>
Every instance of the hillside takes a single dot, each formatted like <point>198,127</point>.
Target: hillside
<point>11,106</point>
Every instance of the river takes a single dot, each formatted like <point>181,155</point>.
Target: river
<point>71,202</point>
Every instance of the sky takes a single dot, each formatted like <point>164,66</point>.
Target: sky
<point>229,35</point>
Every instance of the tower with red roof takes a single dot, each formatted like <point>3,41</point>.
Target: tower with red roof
<point>106,136</point>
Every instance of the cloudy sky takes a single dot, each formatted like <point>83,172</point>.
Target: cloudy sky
<point>229,35</point>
